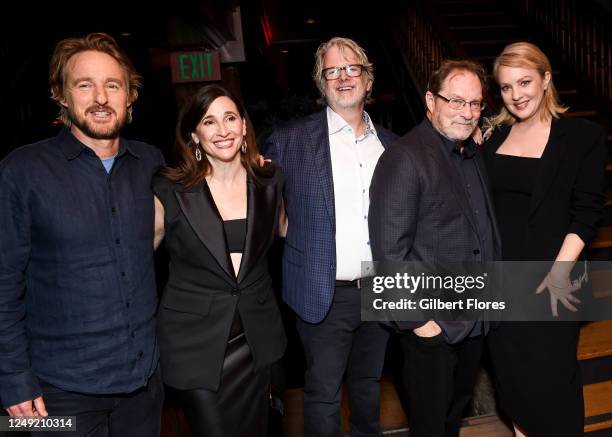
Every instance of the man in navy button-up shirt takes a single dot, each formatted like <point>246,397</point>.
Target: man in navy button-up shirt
<point>77,285</point>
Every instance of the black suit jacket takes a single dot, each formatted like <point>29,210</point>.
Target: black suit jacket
<point>202,293</point>
<point>419,210</point>
<point>569,193</point>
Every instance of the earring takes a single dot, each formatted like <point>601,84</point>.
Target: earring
<point>198,153</point>
<point>243,147</point>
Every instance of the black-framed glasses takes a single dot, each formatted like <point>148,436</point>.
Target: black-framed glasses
<point>332,73</point>
<point>454,103</point>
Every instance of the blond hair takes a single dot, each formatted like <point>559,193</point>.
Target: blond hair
<point>342,44</point>
<point>527,55</point>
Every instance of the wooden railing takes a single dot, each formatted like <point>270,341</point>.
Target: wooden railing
<point>583,32</point>
<point>420,42</point>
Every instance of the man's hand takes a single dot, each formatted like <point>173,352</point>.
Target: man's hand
<point>429,329</point>
<point>29,408</point>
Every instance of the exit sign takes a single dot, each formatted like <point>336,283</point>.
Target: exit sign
<point>195,66</point>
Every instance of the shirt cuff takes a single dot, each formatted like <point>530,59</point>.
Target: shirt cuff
<point>19,387</point>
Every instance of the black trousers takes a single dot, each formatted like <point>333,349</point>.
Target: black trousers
<point>136,414</point>
<point>341,344</point>
<point>439,379</point>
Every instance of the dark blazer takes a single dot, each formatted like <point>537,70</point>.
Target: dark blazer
<point>419,210</point>
<point>202,293</point>
<point>301,149</point>
<point>569,192</point>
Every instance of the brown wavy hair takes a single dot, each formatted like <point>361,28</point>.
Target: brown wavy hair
<point>99,42</point>
<point>188,171</point>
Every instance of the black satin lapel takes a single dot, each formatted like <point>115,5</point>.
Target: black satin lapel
<point>200,210</point>
<point>322,157</point>
<point>549,165</point>
<point>261,211</point>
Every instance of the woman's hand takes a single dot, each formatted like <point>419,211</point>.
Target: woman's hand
<point>558,281</point>
<point>560,288</point>
<point>262,161</point>
<point>477,136</point>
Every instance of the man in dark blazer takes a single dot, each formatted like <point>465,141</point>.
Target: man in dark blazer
<point>430,202</point>
<point>328,159</point>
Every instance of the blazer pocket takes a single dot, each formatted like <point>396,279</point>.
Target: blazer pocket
<point>191,303</point>
<point>293,255</point>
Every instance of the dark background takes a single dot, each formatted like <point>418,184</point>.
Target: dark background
<point>275,81</point>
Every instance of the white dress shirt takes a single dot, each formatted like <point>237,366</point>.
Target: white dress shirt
<point>353,161</point>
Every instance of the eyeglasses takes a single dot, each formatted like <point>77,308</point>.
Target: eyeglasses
<point>333,73</point>
<point>476,105</point>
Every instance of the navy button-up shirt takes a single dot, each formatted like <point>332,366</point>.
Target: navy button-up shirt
<point>77,284</point>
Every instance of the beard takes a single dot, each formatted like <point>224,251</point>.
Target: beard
<point>344,102</point>
<point>456,133</point>
<point>98,132</point>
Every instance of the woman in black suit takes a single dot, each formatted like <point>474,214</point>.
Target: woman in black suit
<point>547,175</point>
<point>219,324</point>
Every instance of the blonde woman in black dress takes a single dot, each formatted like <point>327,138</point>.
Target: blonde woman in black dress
<point>547,173</point>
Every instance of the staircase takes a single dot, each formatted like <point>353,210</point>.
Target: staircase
<point>428,31</point>
<point>487,26</point>
<point>571,33</point>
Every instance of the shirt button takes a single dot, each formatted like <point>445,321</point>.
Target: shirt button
<point>363,190</point>
<point>368,243</point>
<point>365,217</point>
<point>360,165</point>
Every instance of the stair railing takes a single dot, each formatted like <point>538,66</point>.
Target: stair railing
<point>424,42</point>
<point>420,41</point>
<point>583,32</point>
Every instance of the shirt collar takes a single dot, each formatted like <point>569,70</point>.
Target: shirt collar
<point>336,123</point>
<point>72,147</point>
<point>469,147</point>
